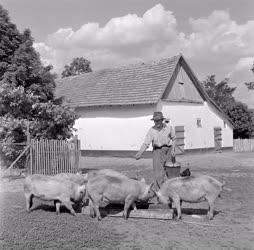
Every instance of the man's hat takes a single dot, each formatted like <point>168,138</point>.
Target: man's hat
<point>157,116</point>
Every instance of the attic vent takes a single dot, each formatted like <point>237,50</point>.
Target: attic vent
<point>199,125</point>
<point>182,83</point>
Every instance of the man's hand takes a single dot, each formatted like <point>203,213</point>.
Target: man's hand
<point>138,155</point>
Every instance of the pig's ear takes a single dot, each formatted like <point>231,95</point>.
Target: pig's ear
<point>143,180</point>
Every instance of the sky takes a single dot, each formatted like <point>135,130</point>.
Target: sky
<point>214,36</point>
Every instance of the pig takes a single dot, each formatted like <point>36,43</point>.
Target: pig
<point>106,172</point>
<point>191,189</point>
<point>78,178</point>
<point>50,188</point>
<point>106,189</point>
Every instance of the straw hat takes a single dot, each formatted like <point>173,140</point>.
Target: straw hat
<point>157,115</point>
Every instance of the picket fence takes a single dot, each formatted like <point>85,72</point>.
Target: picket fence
<point>243,145</point>
<point>54,156</point>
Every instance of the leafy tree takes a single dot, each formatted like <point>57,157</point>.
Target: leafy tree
<point>242,119</point>
<point>78,66</point>
<point>222,94</point>
<point>250,85</point>
<point>27,93</point>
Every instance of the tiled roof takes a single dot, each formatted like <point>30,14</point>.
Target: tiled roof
<point>142,83</point>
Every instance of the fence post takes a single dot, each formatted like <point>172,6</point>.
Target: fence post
<point>28,143</point>
<point>31,156</point>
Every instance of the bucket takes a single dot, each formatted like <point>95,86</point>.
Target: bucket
<point>172,169</point>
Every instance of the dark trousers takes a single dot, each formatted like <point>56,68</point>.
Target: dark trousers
<point>160,156</point>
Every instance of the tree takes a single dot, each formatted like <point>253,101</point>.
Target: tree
<point>242,119</point>
<point>250,85</point>
<point>222,94</point>
<point>27,92</point>
<point>78,66</point>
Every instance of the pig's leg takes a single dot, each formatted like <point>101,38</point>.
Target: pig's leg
<point>57,204</point>
<point>177,203</point>
<point>170,204</point>
<point>92,211</point>
<point>68,205</point>
<point>128,202</point>
<point>94,200</point>
<point>29,201</point>
<point>97,211</point>
<point>91,208</point>
<point>211,201</point>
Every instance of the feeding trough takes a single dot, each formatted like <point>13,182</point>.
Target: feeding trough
<point>150,213</point>
<point>160,214</point>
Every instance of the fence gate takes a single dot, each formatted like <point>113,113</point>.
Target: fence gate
<point>54,156</point>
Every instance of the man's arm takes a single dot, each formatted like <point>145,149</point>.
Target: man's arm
<point>145,145</point>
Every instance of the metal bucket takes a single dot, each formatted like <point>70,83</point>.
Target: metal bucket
<point>172,169</point>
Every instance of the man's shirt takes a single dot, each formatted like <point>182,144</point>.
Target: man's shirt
<point>158,138</point>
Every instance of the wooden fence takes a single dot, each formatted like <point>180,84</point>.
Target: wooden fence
<point>54,156</point>
<point>243,145</point>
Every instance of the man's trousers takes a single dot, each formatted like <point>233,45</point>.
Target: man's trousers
<point>160,156</point>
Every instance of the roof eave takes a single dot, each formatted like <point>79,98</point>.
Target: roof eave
<point>112,105</point>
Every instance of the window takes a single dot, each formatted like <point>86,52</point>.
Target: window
<point>199,125</point>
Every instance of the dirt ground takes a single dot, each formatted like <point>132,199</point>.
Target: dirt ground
<point>231,228</point>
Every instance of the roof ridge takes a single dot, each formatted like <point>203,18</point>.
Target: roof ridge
<point>122,67</point>
<point>149,62</point>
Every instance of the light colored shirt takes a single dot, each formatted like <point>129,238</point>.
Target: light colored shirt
<point>158,138</point>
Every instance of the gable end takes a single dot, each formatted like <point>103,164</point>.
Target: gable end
<point>181,87</point>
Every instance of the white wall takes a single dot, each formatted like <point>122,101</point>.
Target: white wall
<point>183,114</point>
<point>124,128</point>
<point>114,128</point>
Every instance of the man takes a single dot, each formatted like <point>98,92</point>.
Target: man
<point>162,137</point>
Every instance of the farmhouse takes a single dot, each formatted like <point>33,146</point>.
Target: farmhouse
<point>115,107</point>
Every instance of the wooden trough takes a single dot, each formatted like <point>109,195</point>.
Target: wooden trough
<point>155,212</point>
